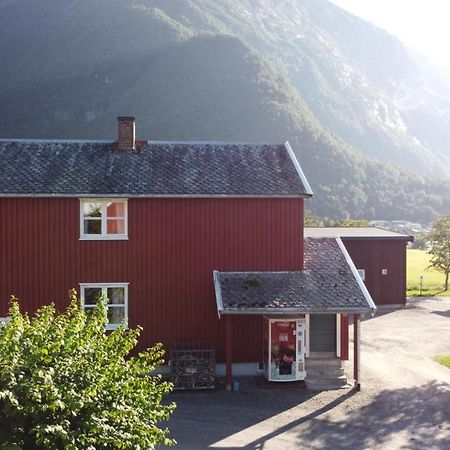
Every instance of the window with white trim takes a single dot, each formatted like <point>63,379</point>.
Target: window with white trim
<point>362,274</point>
<point>103,219</point>
<point>116,295</point>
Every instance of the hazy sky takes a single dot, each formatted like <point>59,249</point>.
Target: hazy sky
<point>421,24</point>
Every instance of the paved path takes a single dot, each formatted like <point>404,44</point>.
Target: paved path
<point>404,402</point>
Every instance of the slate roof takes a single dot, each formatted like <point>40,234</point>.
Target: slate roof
<point>355,233</point>
<point>75,168</point>
<point>328,284</point>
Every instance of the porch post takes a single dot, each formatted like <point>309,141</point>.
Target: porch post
<point>228,352</point>
<point>344,337</point>
<point>356,351</point>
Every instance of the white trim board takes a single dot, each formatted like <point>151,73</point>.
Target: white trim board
<point>299,170</point>
<point>338,335</point>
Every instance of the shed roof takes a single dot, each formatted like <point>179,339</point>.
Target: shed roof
<point>355,233</point>
<point>97,168</point>
<point>328,284</point>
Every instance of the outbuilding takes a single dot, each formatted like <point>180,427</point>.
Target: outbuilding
<point>380,257</point>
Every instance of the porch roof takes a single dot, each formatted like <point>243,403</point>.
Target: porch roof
<point>329,284</point>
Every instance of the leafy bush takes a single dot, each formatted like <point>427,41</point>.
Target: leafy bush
<point>66,383</point>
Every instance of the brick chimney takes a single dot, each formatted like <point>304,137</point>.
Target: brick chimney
<point>126,138</point>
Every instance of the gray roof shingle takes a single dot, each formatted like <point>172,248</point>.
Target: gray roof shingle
<point>74,168</point>
<point>329,283</point>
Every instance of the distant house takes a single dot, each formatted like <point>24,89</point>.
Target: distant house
<point>380,257</point>
<point>191,240</point>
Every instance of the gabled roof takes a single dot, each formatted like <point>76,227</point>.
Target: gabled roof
<point>355,233</point>
<point>328,284</point>
<point>97,168</point>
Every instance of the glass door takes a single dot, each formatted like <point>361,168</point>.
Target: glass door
<point>283,350</point>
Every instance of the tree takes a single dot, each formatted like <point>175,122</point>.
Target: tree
<point>352,223</point>
<point>346,223</point>
<point>439,241</point>
<point>66,383</point>
<point>311,219</point>
<point>420,242</point>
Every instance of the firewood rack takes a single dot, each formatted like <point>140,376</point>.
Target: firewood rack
<point>193,365</point>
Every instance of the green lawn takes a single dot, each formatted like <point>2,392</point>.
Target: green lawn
<point>433,281</point>
<point>444,360</point>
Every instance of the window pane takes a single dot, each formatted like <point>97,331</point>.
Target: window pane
<point>116,314</point>
<point>91,295</point>
<point>88,311</point>
<point>116,209</point>
<point>92,226</point>
<point>92,209</point>
<point>116,295</point>
<point>116,226</point>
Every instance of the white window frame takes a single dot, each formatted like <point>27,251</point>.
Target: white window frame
<point>104,287</point>
<point>104,218</point>
<point>362,274</point>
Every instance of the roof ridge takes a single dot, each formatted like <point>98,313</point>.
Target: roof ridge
<point>147,141</point>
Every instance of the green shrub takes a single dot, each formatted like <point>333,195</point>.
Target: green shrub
<point>66,383</point>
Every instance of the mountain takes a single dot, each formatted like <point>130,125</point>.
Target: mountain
<point>358,80</point>
<point>189,70</point>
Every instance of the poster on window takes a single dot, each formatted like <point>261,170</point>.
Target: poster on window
<point>283,351</point>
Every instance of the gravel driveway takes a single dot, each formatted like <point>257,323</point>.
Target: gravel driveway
<point>404,402</point>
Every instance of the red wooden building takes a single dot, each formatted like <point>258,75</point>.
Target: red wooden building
<point>179,236</point>
<point>380,257</point>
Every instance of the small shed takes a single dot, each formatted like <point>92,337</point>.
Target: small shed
<point>380,257</point>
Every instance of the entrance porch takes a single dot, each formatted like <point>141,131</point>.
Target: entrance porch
<point>319,369</point>
<point>313,304</point>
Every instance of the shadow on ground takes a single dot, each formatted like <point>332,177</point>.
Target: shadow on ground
<point>204,417</point>
<point>380,312</point>
<point>420,414</point>
<point>341,419</point>
<point>442,313</point>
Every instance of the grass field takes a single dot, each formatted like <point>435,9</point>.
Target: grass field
<point>433,281</point>
<point>444,360</point>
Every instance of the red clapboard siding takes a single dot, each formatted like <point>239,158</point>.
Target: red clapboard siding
<point>173,247</point>
<point>373,255</point>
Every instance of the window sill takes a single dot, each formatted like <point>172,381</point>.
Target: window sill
<point>104,238</point>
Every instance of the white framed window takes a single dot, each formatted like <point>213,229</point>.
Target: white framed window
<point>362,274</point>
<point>103,219</point>
<point>117,301</point>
